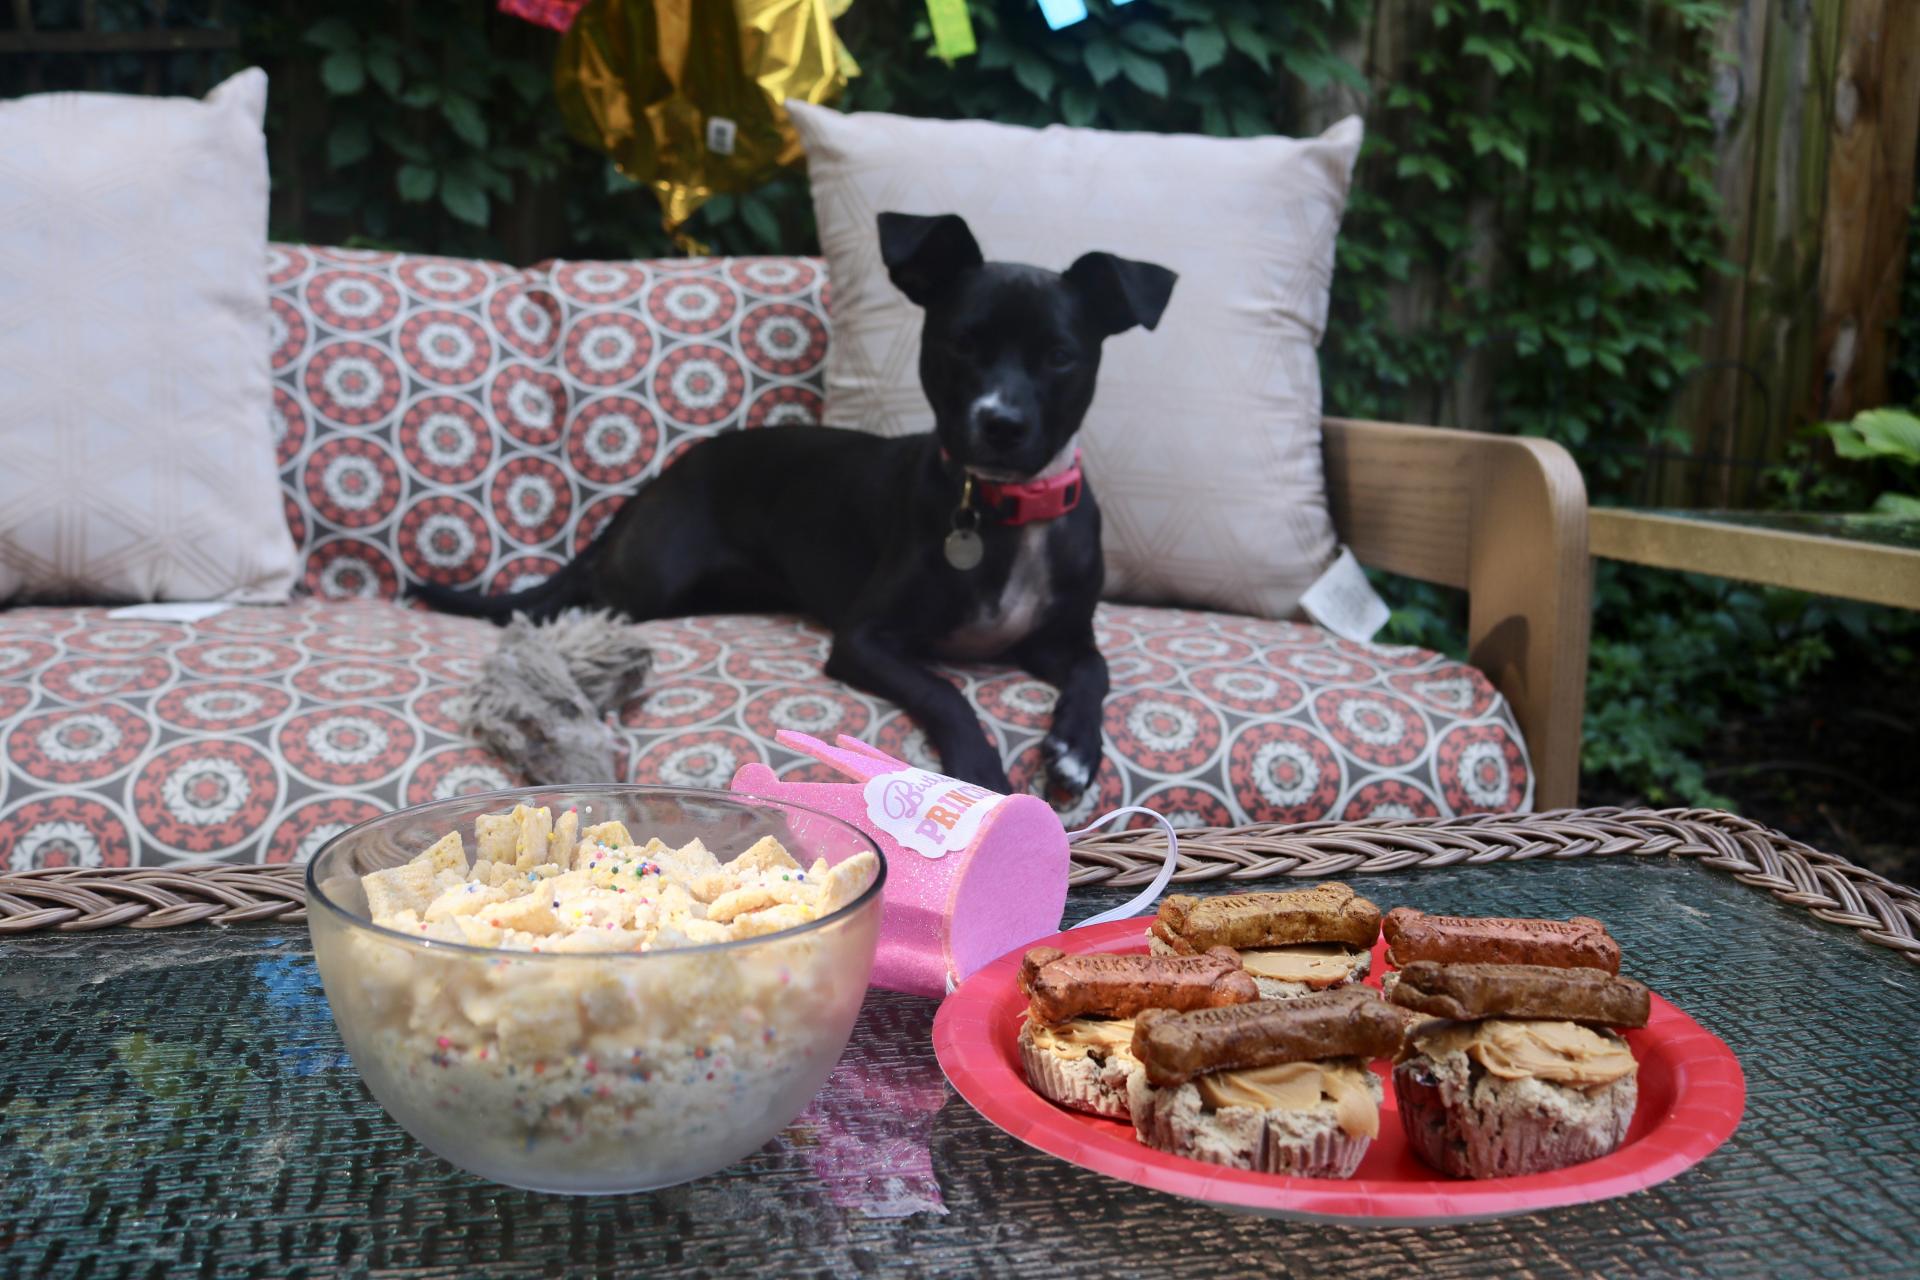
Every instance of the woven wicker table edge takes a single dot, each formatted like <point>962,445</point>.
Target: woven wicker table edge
<point>81,899</point>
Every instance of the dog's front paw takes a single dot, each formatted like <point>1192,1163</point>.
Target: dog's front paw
<point>1070,769</point>
<point>981,767</point>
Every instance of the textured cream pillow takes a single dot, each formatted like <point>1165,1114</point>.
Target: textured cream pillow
<point>1203,442</point>
<point>136,455</point>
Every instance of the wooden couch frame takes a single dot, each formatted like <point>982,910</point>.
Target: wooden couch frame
<point>1505,519</point>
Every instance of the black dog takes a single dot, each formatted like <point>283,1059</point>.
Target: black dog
<point>915,547</point>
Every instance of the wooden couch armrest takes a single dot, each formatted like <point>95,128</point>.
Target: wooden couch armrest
<point>1504,517</point>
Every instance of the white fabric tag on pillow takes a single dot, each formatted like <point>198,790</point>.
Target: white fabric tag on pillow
<point>1344,602</point>
<point>168,611</point>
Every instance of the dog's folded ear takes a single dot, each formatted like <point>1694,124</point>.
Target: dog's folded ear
<point>1120,292</point>
<point>924,254</point>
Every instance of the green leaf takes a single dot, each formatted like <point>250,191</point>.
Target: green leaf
<point>385,70</point>
<point>1423,166</point>
<point>343,73</point>
<point>348,142</point>
<point>1889,433</point>
<point>1249,123</point>
<point>531,82</point>
<point>462,198</point>
<point>490,177</point>
<point>1034,75</point>
<point>338,200</point>
<point>1580,257</point>
<point>1103,61</point>
<point>463,114</point>
<point>1206,48</point>
<point>1905,506</point>
<point>1148,37</point>
<point>616,182</point>
<point>415,183</point>
<point>1249,40</point>
<point>1077,106</point>
<point>403,146</point>
<point>1565,42</point>
<point>333,33</point>
<point>760,220</point>
<point>1315,70</point>
<point>1502,55</point>
<point>1145,73</point>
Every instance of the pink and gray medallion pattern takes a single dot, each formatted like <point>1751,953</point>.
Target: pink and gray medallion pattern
<point>258,733</point>
<point>468,423</point>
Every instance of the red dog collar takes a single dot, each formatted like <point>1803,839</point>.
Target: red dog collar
<point>1030,500</point>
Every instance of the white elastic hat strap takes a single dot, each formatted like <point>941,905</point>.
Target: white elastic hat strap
<point>1139,903</point>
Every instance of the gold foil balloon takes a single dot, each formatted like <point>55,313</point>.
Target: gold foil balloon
<point>686,95</point>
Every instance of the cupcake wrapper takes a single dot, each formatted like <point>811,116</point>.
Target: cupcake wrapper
<point>1490,1138</point>
<point>1071,1082</point>
<point>1240,1138</point>
<point>1327,1155</point>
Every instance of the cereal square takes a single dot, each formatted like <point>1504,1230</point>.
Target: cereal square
<point>687,863</point>
<point>787,915</point>
<point>612,835</point>
<point>536,833</point>
<point>766,854</point>
<point>494,835</point>
<point>403,888</point>
<point>566,835</point>
<point>463,900</point>
<point>449,853</point>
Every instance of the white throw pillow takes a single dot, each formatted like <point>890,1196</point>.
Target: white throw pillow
<point>136,455</point>
<point>1203,442</point>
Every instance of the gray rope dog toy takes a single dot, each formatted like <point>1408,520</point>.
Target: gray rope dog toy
<point>543,696</point>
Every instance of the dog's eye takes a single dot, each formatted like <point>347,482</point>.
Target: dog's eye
<point>1060,358</point>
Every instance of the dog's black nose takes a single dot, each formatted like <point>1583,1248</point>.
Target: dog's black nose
<point>1000,428</point>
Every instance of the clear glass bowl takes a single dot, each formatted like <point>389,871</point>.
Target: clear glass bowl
<point>626,1071</point>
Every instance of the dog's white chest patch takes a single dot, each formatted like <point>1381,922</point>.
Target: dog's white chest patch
<point>997,625</point>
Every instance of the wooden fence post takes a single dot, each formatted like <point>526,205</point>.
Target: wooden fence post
<point>1789,212</point>
<point>1709,406</point>
<point>1876,121</point>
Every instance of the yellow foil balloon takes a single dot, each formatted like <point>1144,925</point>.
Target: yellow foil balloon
<point>686,95</point>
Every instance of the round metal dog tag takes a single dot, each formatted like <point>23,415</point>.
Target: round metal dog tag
<point>964,549</point>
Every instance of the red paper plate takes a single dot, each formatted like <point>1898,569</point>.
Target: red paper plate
<point>1691,1096</point>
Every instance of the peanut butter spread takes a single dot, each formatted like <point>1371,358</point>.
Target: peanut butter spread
<point>1299,1086</point>
<point>1316,964</point>
<point>1515,1048</point>
<point>1075,1038</point>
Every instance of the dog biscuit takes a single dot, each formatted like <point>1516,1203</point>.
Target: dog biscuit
<point>1062,987</point>
<point>1461,991</point>
<point>1581,942</point>
<point>1346,1022</point>
<point>1330,913</point>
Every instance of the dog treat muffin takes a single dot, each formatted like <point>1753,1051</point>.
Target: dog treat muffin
<point>1279,1086</point>
<point>1292,943</point>
<point>1512,1068</point>
<point>1077,1041</point>
<point>546,1037</point>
